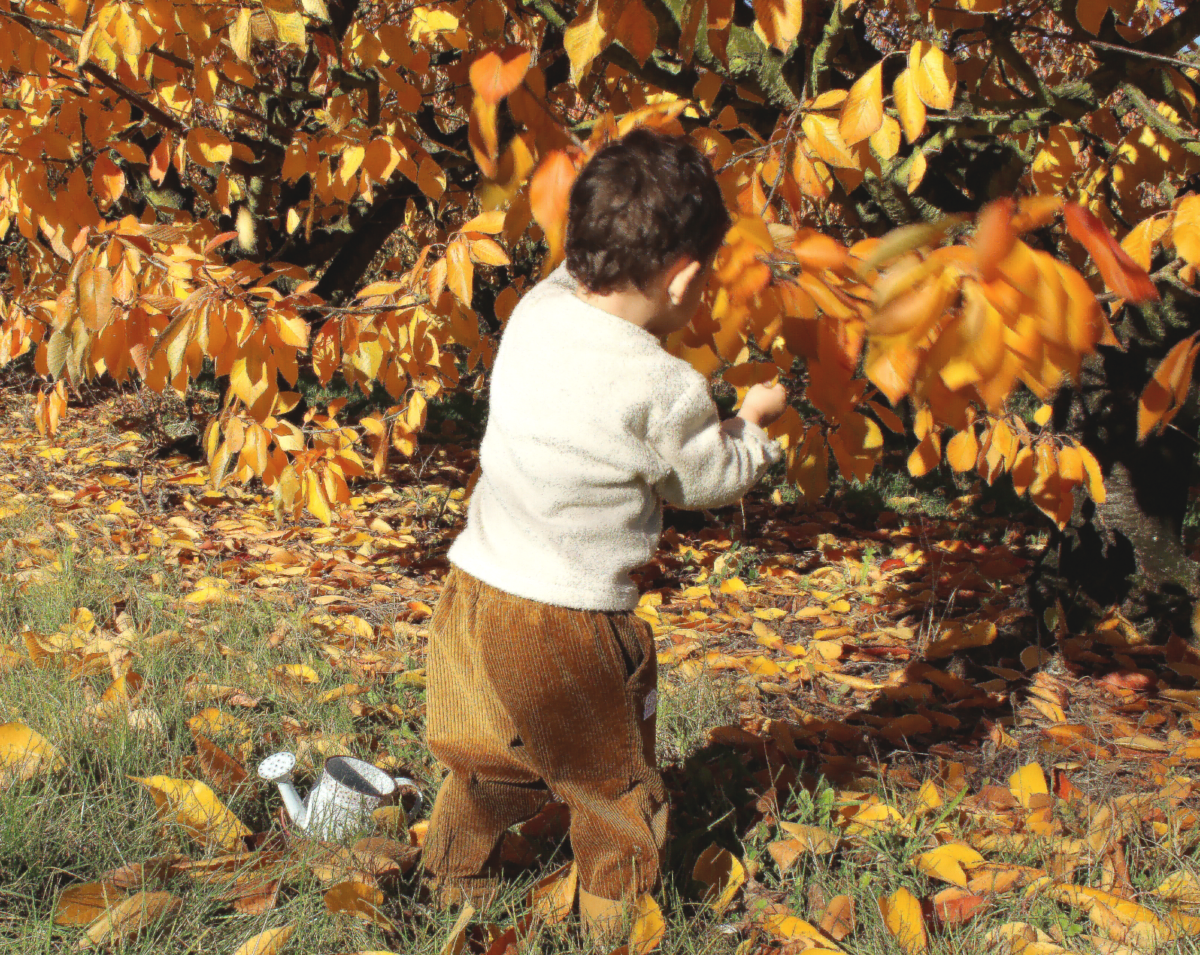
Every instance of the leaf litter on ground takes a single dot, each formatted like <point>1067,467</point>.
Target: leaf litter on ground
<point>965,775</point>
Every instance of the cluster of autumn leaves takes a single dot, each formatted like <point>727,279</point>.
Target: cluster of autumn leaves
<point>157,299</point>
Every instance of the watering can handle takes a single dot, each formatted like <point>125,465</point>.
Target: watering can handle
<point>403,782</point>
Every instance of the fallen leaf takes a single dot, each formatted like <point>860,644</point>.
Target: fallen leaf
<point>269,942</point>
<point>360,900</point>
<point>838,919</point>
<point>722,874</point>
<point>81,904</point>
<point>194,807</point>
<point>901,913</point>
<point>648,926</point>
<point>457,939</point>
<point>1028,782</point>
<point>553,897</point>
<point>130,917</point>
<point>24,754</point>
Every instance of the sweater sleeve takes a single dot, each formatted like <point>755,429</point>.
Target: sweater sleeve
<point>709,462</point>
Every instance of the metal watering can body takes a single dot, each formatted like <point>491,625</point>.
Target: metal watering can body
<point>342,799</point>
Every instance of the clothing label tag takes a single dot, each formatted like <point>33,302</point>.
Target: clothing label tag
<point>651,704</point>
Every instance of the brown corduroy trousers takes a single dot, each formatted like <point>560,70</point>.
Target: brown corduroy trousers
<point>524,698</point>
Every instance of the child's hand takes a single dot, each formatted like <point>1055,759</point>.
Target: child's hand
<point>764,404</point>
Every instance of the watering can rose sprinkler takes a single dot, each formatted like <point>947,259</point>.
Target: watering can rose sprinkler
<point>343,797</point>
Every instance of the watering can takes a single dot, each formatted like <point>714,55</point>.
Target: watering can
<point>343,798</point>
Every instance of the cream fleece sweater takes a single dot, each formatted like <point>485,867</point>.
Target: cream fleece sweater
<point>590,424</point>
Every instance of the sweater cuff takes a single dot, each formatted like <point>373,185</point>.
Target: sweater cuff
<point>739,427</point>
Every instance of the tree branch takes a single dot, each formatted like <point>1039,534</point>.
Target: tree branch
<point>355,256</point>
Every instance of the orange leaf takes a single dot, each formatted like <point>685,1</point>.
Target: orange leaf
<point>779,20</point>
<point>108,182</point>
<point>994,236</point>
<point>925,457</point>
<point>838,920</point>
<point>1167,389</point>
<point>962,450</point>
<point>497,73</point>
<point>549,193</point>
<point>631,24</point>
<point>1121,274</point>
<point>95,298</point>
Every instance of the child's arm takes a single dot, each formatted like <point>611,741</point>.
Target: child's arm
<point>708,462</point>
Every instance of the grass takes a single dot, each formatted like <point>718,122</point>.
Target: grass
<point>74,826</point>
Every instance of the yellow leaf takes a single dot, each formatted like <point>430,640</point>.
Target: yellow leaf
<point>902,916</point>
<point>632,25</point>
<point>488,252</point>
<point>489,223</point>
<point>1027,782</point>
<point>348,164</point>
<point>129,918</point>
<point>269,942</point>
<point>1181,886</point>
<point>962,450</point>
<point>1185,230</point>
<point>723,874</point>
<point>916,172</point>
<point>360,900</point>
<point>239,34</point>
<point>287,21</point>
<point>194,807</point>
<point>821,133</point>
<point>427,21</point>
<point>733,585</point>
<point>431,180</point>
<point>208,147</point>
<point>456,941</point>
<point>946,862</point>
<point>552,898</point>
<point>862,113</point>
<point>212,595</point>
<point>886,139</point>
<point>925,456</point>
<point>314,498</point>
<point>583,40</point>
<point>460,273</point>
<point>24,754</point>
<point>296,672</point>
<point>81,904</point>
<point>812,838</point>
<point>933,75</point>
<point>909,106</point>
<point>791,927</point>
<point>1163,394</point>
<point>648,926</point>
<point>1142,238</point>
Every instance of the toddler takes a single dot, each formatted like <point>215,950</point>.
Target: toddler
<point>541,678</point>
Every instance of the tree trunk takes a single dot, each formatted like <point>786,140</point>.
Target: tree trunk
<point>1127,552</point>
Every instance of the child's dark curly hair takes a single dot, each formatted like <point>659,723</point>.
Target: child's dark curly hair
<point>640,204</point>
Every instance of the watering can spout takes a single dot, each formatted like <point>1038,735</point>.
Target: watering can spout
<point>277,769</point>
<point>291,801</point>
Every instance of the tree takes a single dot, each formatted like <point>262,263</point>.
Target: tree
<point>365,189</point>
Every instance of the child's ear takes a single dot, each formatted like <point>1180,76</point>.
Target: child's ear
<point>682,275</point>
